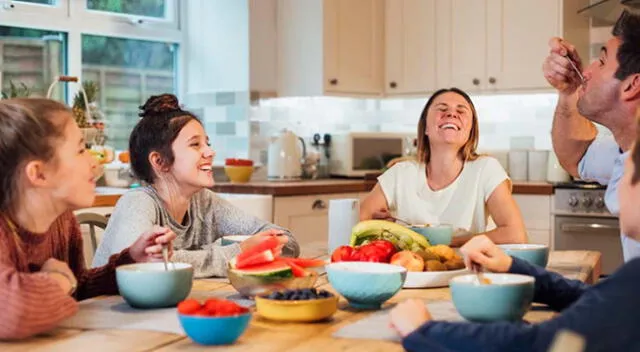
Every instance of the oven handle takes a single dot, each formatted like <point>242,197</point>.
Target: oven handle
<point>587,227</point>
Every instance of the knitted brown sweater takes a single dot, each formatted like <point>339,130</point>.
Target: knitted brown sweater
<point>31,302</point>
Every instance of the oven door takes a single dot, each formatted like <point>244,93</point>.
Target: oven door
<point>591,233</point>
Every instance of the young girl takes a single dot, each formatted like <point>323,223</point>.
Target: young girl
<point>607,315</point>
<point>170,151</point>
<point>46,173</point>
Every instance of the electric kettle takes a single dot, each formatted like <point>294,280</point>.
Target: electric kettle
<point>286,154</point>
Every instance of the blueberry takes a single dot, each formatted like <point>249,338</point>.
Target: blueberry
<point>295,297</point>
<point>273,295</point>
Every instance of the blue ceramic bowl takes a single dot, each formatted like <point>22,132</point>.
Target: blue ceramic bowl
<point>227,240</point>
<point>148,285</point>
<point>537,254</point>
<point>214,330</point>
<point>366,285</point>
<point>507,298</point>
<point>435,233</point>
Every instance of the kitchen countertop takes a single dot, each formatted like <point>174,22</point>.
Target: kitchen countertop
<point>108,196</point>
<point>298,188</point>
<point>266,335</point>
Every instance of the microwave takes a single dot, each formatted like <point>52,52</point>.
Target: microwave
<point>356,154</point>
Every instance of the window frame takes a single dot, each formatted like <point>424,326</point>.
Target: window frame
<point>73,18</point>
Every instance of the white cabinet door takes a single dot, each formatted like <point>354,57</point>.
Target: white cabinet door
<point>462,49</point>
<point>353,46</point>
<point>410,46</point>
<point>306,216</point>
<point>536,210</point>
<point>518,32</point>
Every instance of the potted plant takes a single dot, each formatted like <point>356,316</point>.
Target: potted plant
<point>16,91</point>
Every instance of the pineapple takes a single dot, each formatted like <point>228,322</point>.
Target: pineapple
<point>79,109</point>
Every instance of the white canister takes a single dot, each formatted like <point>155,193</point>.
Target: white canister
<point>537,165</point>
<point>555,172</point>
<point>518,165</point>
<point>344,214</point>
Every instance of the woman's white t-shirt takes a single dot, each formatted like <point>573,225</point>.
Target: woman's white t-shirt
<point>461,204</point>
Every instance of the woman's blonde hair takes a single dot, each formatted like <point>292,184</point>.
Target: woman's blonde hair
<point>468,150</point>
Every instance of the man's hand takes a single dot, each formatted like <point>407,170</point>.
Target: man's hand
<point>558,70</point>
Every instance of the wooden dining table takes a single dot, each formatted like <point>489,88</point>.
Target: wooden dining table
<point>266,336</point>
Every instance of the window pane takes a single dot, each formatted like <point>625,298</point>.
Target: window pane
<point>127,72</point>
<point>43,2</point>
<point>31,58</point>
<point>148,8</point>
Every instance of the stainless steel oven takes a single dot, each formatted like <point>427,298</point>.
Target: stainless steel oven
<point>582,222</point>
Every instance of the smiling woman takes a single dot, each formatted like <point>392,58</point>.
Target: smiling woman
<point>449,183</point>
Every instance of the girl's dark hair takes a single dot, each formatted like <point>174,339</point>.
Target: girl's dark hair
<point>468,151</point>
<point>161,121</point>
<point>30,129</point>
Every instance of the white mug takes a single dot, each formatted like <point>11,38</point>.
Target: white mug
<point>344,214</point>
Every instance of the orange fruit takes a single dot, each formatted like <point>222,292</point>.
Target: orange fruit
<point>124,157</point>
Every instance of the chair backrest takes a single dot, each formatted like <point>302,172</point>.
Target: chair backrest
<point>93,220</point>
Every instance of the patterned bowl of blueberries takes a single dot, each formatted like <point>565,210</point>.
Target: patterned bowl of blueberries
<point>300,305</point>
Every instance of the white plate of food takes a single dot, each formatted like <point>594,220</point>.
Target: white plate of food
<point>439,263</point>
<point>427,279</point>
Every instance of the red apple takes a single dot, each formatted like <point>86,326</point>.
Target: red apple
<point>409,260</point>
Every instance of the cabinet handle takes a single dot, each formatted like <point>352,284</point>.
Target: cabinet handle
<point>333,81</point>
<point>393,85</point>
<point>492,80</point>
<point>476,82</point>
<point>319,204</point>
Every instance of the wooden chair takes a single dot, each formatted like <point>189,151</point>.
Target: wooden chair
<point>93,220</point>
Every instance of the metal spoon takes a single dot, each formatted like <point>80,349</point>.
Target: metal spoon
<point>165,257</point>
<point>575,68</point>
<point>480,274</point>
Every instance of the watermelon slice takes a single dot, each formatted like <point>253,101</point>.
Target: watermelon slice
<point>297,270</point>
<point>255,259</point>
<point>268,244</point>
<point>275,269</point>
<point>305,263</point>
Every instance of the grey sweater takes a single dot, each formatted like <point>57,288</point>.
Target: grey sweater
<point>208,219</point>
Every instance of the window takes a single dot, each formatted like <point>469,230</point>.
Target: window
<point>147,8</point>
<point>30,59</point>
<point>41,2</point>
<point>127,72</point>
<point>129,48</point>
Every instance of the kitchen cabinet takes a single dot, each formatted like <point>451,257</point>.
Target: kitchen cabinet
<point>410,46</point>
<point>330,47</point>
<point>500,45</point>
<point>306,216</point>
<point>263,74</point>
<point>536,213</point>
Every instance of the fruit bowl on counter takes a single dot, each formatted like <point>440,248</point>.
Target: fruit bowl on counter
<point>238,170</point>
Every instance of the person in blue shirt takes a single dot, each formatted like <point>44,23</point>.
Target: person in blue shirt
<point>606,315</point>
<point>610,96</point>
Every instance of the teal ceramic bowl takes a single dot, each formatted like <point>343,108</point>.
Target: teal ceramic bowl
<point>435,233</point>
<point>537,254</point>
<point>507,298</point>
<point>214,330</point>
<point>366,285</point>
<point>227,240</point>
<point>148,285</point>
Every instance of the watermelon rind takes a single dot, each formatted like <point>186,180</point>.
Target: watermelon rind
<point>270,270</point>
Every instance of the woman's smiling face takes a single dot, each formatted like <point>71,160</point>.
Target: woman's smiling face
<point>449,120</point>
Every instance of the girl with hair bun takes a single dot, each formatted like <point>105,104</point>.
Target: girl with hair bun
<point>170,151</point>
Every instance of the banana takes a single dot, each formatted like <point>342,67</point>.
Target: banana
<point>399,235</point>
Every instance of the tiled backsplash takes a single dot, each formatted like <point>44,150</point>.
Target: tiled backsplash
<point>240,129</point>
